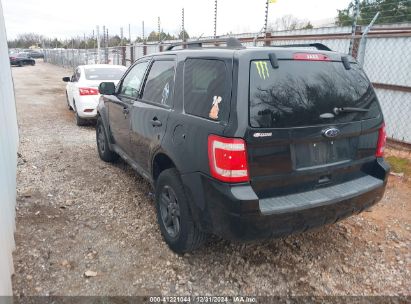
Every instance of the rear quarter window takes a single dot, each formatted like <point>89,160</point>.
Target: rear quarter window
<point>206,89</point>
<point>298,93</point>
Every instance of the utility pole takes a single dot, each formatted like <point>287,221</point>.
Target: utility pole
<point>215,19</point>
<point>143,32</point>
<point>129,33</point>
<point>104,36</point>
<point>121,36</point>
<point>106,50</point>
<point>182,25</point>
<point>94,42</point>
<point>354,25</point>
<point>98,44</point>
<point>266,17</point>
<point>159,30</point>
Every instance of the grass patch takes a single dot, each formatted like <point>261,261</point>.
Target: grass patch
<point>400,164</point>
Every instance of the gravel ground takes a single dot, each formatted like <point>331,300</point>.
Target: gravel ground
<point>76,213</point>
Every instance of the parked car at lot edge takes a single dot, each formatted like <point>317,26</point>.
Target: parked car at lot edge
<point>21,59</point>
<point>82,88</point>
<point>247,143</point>
<point>36,54</point>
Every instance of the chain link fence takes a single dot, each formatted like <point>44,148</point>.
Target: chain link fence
<point>71,58</point>
<point>387,61</point>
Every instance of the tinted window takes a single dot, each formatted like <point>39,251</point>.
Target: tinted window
<point>299,92</point>
<point>205,89</point>
<point>160,82</point>
<point>130,86</point>
<point>76,75</point>
<point>104,73</point>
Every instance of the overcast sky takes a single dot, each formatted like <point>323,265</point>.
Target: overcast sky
<point>66,19</point>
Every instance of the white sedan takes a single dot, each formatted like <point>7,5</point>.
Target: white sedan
<point>82,88</point>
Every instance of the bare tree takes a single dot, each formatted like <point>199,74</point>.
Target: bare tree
<point>287,23</point>
<point>26,40</point>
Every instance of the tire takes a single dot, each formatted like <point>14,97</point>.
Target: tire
<point>21,63</point>
<point>102,143</point>
<point>33,63</point>
<point>177,227</point>
<point>79,121</point>
<point>68,103</point>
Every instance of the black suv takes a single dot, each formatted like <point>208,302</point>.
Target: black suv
<point>247,143</point>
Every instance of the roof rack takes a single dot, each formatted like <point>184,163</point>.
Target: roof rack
<point>318,46</point>
<point>231,43</point>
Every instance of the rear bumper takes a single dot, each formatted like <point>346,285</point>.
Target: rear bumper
<point>234,212</point>
<point>87,106</point>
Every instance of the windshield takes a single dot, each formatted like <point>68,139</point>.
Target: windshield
<point>304,93</point>
<point>104,73</point>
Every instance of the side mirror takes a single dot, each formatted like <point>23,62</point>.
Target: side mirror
<point>66,79</point>
<point>107,88</point>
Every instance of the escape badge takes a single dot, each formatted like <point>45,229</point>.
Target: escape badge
<point>262,69</point>
<point>214,108</point>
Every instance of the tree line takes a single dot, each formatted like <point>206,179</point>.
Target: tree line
<point>391,11</point>
<point>27,40</point>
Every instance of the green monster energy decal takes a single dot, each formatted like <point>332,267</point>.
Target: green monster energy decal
<point>262,69</point>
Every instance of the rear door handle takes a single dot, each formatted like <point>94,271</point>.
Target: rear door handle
<point>155,122</point>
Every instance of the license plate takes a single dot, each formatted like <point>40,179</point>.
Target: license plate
<point>321,153</point>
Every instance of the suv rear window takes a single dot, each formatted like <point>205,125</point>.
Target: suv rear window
<point>298,92</point>
<point>205,89</point>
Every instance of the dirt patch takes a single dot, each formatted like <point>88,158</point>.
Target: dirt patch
<point>76,213</point>
<point>50,90</point>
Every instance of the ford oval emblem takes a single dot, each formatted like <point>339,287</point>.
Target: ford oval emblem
<point>331,132</point>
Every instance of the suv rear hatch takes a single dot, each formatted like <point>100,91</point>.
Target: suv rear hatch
<point>314,122</point>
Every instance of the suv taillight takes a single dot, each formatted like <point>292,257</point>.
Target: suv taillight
<point>382,139</point>
<point>88,91</point>
<point>228,159</point>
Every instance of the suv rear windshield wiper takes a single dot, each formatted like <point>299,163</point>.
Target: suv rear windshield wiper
<point>348,109</point>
